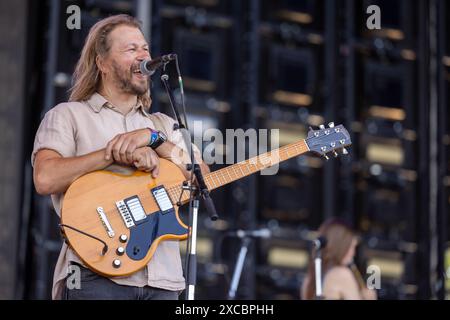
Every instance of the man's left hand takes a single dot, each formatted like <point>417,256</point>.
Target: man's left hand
<point>146,159</point>
<point>122,146</point>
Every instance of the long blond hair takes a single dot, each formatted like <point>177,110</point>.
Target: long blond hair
<point>339,237</point>
<point>87,76</point>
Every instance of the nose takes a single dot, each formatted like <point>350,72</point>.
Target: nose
<point>143,54</point>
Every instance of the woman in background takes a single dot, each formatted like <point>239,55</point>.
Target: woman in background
<point>341,280</point>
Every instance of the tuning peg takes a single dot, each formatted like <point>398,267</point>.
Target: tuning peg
<point>331,124</point>
<point>322,127</point>
<point>344,151</point>
<point>335,154</point>
<point>326,157</point>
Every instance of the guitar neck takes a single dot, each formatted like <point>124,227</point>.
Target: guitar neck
<point>244,168</point>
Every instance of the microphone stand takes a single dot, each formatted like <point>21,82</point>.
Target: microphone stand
<point>238,267</point>
<point>246,237</point>
<point>195,192</point>
<point>318,273</point>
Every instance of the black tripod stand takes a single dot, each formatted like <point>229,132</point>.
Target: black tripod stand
<point>200,190</point>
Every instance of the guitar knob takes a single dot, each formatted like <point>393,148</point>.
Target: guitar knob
<point>120,251</point>
<point>116,263</point>
<point>344,151</point>
<point>123,238</point>
<point>331,124</point>
<point>322,127</point>
<point>335,154</point>
<point>326,157</point>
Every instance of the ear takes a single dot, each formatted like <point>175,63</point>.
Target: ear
<point>100,62</point>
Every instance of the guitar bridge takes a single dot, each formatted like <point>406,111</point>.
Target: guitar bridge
<point>105,222</point>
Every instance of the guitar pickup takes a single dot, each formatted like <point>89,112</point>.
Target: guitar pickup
<point>131,210</point>
<point>162,199</point>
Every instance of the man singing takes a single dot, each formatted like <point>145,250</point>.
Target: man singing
<point>107,121</point>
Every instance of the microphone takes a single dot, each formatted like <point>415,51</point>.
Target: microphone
<point>149,66</point>
<point>259,233</point>
<point>320,243</point>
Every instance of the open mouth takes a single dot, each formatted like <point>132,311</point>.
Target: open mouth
<point>137,72</point>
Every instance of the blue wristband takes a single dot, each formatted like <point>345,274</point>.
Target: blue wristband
<point>153,137</point>
<point>156,139</point>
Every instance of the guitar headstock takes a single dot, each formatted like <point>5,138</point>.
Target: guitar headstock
<point>328,140</point>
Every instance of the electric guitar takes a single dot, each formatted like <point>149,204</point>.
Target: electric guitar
<point>115,221</point>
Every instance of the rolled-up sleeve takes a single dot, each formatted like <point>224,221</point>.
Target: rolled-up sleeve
<point>56,132</point>
<point>175,136</point>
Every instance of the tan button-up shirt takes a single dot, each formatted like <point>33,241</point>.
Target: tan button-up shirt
<point>77,128</point>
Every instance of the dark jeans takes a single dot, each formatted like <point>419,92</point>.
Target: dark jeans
<point>96,287</point>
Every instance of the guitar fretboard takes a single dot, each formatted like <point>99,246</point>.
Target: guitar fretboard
<point>242,169</point>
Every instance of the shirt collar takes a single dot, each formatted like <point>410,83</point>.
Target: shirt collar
<point>97,102</point>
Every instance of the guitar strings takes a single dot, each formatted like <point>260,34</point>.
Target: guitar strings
<point>174,191</point>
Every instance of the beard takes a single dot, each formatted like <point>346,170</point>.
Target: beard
<point>125,81</point>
